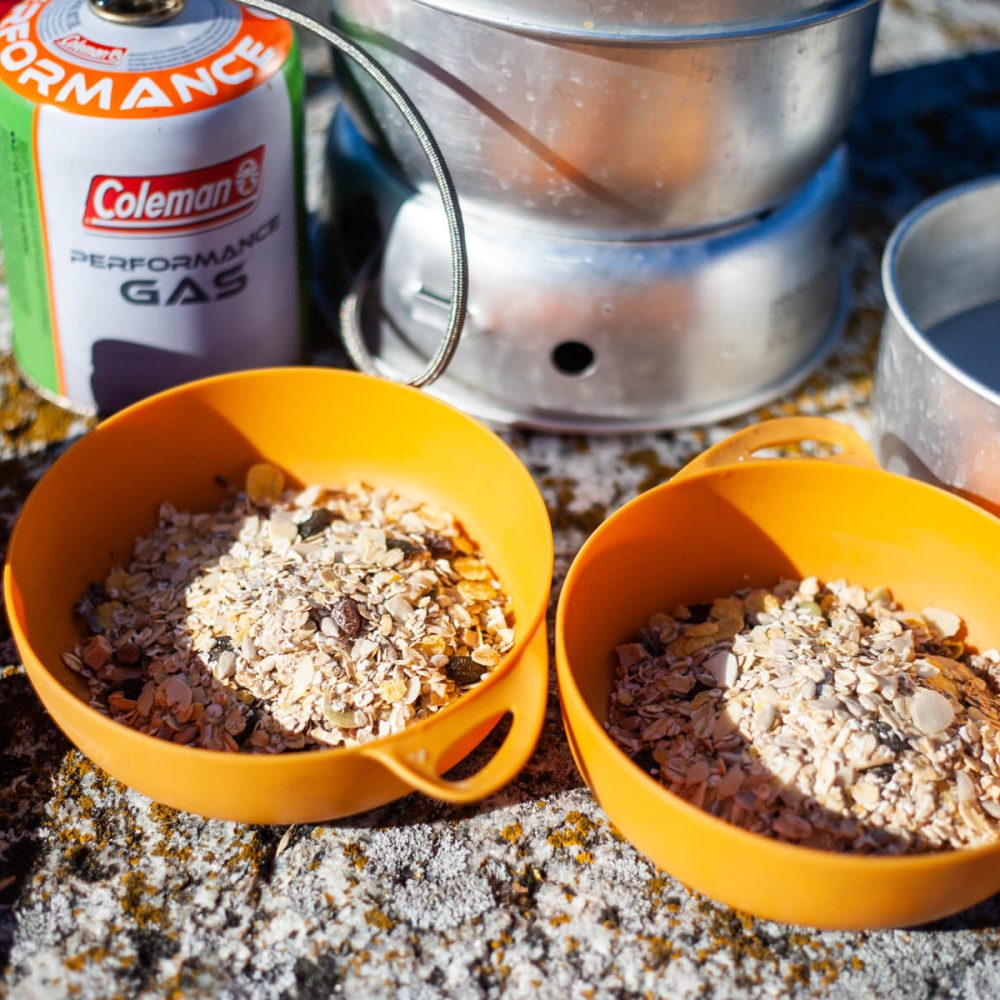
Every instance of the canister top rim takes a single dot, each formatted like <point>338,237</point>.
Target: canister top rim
<point>137,11</point>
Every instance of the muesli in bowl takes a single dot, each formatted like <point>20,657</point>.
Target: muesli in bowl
<point>821,714</point>
<point>286,619</point>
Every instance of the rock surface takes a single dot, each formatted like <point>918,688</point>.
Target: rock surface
<point>531,892</point>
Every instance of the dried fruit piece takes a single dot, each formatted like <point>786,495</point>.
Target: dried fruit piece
<point>464,670</point>
<point>346,616</point>
<point>432,645</point>
<point>319,520</point>
<point>630,653</point>
<point>264,481</point>
<point>345,719</point>
<point>96,652</point>
<point>405,546</point>
<point>440,546</point>
<point>128,654</point>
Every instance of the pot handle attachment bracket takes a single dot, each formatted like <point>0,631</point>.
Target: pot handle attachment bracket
<point>744,444</point>
<point>350,328</point>
<point>522,693</point>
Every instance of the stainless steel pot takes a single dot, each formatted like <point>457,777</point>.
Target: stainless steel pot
<point>599,335</point>
<point>936,399</point>
<point>638,124</point>
<point>637,20</point>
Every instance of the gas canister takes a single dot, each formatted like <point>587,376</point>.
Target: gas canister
<point>150,193</point>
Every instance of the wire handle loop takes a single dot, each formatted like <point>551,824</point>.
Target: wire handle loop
<point>350,327</point>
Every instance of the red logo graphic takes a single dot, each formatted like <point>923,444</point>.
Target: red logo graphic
<point>93,52</point>
<point>175,203</point>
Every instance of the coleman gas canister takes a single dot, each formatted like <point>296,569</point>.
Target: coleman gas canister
<point>150,193</point>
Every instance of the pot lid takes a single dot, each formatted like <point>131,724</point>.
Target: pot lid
<point>649,20</point>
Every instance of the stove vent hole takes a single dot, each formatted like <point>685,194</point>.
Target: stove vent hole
<point>573,358</point>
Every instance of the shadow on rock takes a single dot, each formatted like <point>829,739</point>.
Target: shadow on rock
<point>550,771</point>
<point>924,129</point>
<point>31,750</point>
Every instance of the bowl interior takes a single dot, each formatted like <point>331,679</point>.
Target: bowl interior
<point>703,537</point>
<point>318,425</point>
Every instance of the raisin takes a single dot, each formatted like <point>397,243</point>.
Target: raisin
<point>317,521</point>
<point>222,644</point>
<point>699,613</point>
<point>86,607</point>
<point>650,640</point>
<point>405,546</point>
<point>441,547</point>
<point>128,655</point>
<point>347,618</point>
<point>464,670</point>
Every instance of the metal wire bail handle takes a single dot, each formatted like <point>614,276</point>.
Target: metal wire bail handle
<point>350,330</point>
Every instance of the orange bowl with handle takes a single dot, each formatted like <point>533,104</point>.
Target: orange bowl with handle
<point>730,520</point>
<point>318,426</point>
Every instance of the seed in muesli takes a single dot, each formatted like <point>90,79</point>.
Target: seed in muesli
<point>292,618</point>
<point>821,714</point>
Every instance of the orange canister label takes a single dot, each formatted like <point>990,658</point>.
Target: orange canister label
<point>66,55</point>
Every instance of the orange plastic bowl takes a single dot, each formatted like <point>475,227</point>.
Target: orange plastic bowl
<point>727,522</point>
<point>318,425</point>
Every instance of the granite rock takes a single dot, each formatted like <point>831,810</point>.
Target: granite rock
<point>532,892</point>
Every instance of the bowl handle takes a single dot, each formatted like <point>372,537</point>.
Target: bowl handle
<point>523,693</point>
<point>741,446</point>
<point>350,330</point>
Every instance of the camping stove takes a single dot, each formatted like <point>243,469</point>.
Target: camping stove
<point>587,335</point>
